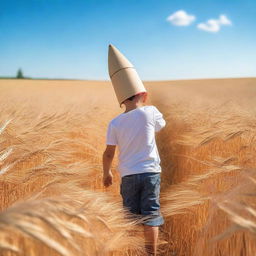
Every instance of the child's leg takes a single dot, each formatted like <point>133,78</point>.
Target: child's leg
<point>151,236</point>
<point>150,207</point>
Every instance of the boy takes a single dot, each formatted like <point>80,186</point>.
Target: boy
<point>139,163</point>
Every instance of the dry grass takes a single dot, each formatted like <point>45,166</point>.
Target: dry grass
<point>81,222</point>
<point>52,137</point>
<point>206,147</point>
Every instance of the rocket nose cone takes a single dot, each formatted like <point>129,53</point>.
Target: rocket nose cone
<point>111,49</point>
<point>116,60</point>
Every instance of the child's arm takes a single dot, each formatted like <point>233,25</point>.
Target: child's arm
<point>108,155</point>
<point>159,120</point>
<point>107,159</point>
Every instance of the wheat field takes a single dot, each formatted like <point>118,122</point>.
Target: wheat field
<point>52,136</point>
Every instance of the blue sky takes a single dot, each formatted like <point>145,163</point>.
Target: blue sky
<point>69,38</point>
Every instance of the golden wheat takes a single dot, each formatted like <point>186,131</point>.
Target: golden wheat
<point>52,198</point>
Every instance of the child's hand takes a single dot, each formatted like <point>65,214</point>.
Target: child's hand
<point>107,179</point>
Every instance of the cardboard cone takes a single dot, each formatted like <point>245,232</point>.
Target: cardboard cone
<point>123,75</point>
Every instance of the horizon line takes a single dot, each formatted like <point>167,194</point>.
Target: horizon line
<point>108,80</point>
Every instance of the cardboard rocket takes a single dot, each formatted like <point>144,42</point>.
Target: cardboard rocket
<point>124,78</point>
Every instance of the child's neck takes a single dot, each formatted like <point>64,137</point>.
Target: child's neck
<point>131,107</point>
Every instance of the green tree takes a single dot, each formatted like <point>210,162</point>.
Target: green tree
<point>19,74</point>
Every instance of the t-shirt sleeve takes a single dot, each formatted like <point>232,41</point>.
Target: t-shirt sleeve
<point>111,135</point>
<point>159,120</point>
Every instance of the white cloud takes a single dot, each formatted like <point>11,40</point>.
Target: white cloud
<point>181,18</point>
<point>224,20</point>
<point>214,25</point>
<point>210,26</point>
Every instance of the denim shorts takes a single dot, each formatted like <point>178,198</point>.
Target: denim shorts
<point>140,193</point>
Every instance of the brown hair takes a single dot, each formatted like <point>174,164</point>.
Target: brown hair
<point>130,98</point>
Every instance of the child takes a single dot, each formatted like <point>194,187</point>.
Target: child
<point>139,164</point>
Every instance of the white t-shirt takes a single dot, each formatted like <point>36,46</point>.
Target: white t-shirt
<point>134,134</point>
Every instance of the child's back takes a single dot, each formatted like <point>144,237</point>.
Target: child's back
<point>134,133</point>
